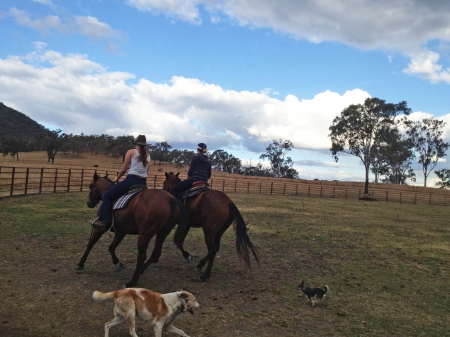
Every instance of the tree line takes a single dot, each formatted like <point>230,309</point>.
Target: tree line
<point>55,141</point>
<point>378,133</point>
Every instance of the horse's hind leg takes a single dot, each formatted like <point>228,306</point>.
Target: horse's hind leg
<point>180,245</point>
<point>96,234</point>
<point>112,250</point>
<point>209,239</point>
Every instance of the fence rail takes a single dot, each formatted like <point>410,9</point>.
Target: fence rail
<point>23,181</point>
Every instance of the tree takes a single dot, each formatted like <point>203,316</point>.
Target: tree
<point>10,145</point>
<point>427,139</point>
<point>160,151</point>
<point>181,158</point>
<point>51,142</point>
<point>393,157</point>
<point>224,161</point>
<point>359,128</point>
<point>280,166</point>
<point>119,146</point>
<point>444,176</point>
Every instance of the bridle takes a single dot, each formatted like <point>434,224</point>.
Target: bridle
<point>99,196</point>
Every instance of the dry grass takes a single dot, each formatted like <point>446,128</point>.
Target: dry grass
<point>386,264</point>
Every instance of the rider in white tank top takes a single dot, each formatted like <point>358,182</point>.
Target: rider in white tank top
<point>137,168</point>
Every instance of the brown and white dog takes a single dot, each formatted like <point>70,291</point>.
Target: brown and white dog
<point>161,309</point>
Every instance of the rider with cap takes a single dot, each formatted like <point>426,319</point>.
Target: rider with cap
<point>138,161</point>
<point>199,170</point>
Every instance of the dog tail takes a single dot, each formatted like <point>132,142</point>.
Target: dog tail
<point>99,296</point>
<point>326,288</point>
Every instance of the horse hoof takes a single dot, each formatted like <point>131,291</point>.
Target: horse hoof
<point>79,267</point>
<point>202,279</point>
<point>190,258</point>
<point>119,266</point>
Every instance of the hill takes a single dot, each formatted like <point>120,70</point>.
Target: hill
<point>15,123</point>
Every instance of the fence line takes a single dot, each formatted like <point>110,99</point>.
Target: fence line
<point>24,181</point>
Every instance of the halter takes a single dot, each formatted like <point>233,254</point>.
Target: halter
<point>99,196</point>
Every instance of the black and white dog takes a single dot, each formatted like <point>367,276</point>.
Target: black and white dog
<point>313,294</point>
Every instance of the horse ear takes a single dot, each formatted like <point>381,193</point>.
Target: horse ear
<point>167,176</point>
<point>177,174</point>
<point>95,175</point>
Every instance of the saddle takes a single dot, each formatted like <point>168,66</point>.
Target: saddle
<point>197,188</point>
<point>123,201</point>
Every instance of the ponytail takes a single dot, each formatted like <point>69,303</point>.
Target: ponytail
<point>143,155</point>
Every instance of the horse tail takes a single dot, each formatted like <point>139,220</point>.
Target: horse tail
<point>243,242</point>
<point>183,219</point>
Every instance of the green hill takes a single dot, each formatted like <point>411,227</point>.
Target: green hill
<point>15,123</point>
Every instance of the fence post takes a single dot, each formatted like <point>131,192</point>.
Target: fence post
<point>346,193</point>
<point>248,187</point>
<point>154,182</point>
<point>81,180</point>
<point>68,181</point>
<point>212,183</point>
<point>321,188</point>
<point>235,184</point>
<point>12,181</point>
<point>54,183</point>
<point>40,181</point>
<point>223,185</point>
<point>359,194</point>
<point>284,189</point>
<point>271,188</point>
<point>430,200</point>
<point>309,191</point>
<point>400,197</point>
<point>333,191</point>
<point>387,198</point>
<point>415,198</point>
<point>260,187</point>
<point>26,180</point>
<point>296,189</point>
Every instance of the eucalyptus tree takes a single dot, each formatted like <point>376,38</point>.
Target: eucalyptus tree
<point>427,138</point>
<point>223,161</point>
<point>281,166</point>
<point>444,178</point>
<point>359,129</point>
<point>51,141</point>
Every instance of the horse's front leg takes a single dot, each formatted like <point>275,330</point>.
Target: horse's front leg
<point>96,234</point>
<point>112,250</point>
<point>142,255</point>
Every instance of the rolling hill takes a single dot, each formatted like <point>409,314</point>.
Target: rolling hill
<point>15,123</point>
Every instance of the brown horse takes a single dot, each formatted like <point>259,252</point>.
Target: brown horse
<point>151,212</point>
<point>214,212</point>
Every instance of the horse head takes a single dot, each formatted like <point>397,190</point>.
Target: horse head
<point>171,180</point>
<point>96,189</point>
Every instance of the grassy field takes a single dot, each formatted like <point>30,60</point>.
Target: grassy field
<point>387,266</point>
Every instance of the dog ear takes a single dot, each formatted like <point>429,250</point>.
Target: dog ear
<point>182,295</point>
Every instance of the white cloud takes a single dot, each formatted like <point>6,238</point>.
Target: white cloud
<point>80,95</point>
<point>399,26</point>
<point>425,65</point>
<point>85,25</point>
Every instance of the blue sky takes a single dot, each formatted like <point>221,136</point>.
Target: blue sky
<point>235,75</point>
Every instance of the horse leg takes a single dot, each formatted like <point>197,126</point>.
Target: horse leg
<point>112,250</point>
<point>156,253</point>
<point>96,234</point>
<point>142,246</point>
<point>209,239</point>
<point>180,245</point>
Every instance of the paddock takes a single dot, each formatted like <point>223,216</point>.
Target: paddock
<point>386,265</point>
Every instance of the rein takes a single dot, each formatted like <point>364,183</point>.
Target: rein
<point>99,196</point>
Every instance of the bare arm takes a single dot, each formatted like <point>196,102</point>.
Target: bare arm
<point>125,166</point>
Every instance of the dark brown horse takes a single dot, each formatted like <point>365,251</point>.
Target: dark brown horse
<point>151,212</point>
<point>214,212</point>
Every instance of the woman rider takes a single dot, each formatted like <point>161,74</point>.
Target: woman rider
<point>138,160</point>
<point>199,170</point>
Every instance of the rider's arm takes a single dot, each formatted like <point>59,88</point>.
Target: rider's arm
<point>125,166</point>
<point>192,166</point>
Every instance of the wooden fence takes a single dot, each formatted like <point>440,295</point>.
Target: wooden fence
<point>23,181</point>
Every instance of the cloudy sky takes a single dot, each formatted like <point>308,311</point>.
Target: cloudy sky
<point>232,74</point>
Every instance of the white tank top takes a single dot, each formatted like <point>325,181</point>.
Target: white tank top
<point>137,168</point>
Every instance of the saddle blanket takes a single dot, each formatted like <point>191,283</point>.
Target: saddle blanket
<point>123,201</point>
<point>196,191</point>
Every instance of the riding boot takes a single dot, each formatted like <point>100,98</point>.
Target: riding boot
<point>103,226</point>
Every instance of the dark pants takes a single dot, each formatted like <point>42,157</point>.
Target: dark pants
<point>115,192</point>
<point>181,187</point>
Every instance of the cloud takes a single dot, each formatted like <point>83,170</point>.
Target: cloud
<point>81,96</point>
<point>425,65</point>
<point>397,26</point>
<point>85,25</point>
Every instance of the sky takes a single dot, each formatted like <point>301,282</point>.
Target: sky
<point>235,75</point>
